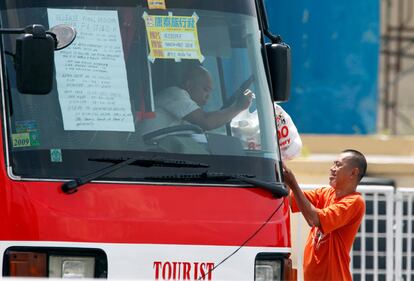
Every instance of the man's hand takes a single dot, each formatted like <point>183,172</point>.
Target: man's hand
<point>289,177</point>
<point>214,119</point>
<point>243,101</point>
<point>308,210</point>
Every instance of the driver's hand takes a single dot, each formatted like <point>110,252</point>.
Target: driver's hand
<point>244,101</point>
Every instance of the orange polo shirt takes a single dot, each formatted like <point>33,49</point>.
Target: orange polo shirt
<point>327,249</point>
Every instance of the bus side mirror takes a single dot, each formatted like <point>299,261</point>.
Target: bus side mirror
<point>279,60</point>
<point>34,57</point>
<point>34,61</point>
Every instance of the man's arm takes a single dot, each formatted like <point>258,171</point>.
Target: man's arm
<point>212,120</point>
<point>307,209</point>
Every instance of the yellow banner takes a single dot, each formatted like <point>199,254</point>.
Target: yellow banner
<point>172,37</point>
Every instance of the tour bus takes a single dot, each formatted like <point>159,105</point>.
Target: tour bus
<point>86,193</point>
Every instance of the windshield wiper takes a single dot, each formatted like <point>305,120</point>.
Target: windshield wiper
<point>277,189</point>
<point>72,186</point>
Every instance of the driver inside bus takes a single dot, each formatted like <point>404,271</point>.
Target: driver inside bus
<point>182,104</point>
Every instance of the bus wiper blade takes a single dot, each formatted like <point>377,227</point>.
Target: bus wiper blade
<point>154,162</point>
<point>72,186</point>
<point>277,189</point>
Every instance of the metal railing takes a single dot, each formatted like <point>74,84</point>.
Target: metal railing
<point>373,246</point>
<point>404,237</point>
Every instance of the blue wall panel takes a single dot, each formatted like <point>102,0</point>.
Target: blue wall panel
<point>335,54</point>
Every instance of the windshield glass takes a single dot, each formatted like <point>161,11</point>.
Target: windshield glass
<point>164,79</point>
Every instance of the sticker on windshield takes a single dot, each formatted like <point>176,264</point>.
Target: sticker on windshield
<point>27,134</point>
<point>173,37</point>
<point>91,73</point>
<point>56,155</point>
<point>26,126</point>
<point>25,139</point>
<point>156,4</point>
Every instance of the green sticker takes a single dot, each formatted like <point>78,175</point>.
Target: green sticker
<point>56,155</point>
<point>34,138</point>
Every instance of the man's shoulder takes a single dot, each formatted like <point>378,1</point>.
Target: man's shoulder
<point>329,190</point>
<point>354,200</point>
<point>324,190</point>
<point>354,196</point>
<point>172,95</point>
<point>172,91</point>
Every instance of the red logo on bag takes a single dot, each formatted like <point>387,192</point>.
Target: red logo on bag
<point>283,132</point>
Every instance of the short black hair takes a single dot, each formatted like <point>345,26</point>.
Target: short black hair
<point>358,159</point>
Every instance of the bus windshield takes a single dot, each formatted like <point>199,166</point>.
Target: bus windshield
<point>125,89</point>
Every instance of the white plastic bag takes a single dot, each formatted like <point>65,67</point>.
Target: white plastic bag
<point>289,140</point>
<point>245,126</point>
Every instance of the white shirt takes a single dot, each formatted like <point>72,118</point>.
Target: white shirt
<point>171,106</point>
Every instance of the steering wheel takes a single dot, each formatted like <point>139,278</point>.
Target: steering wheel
<point>165,131</point>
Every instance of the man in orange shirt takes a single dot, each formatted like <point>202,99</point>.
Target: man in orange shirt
<point>334,214</point>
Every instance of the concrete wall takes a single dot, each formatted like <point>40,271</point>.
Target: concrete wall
<point>388,157</point>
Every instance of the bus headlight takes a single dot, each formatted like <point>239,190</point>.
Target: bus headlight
<point>71,267</point>
<point>55,262</point>
<point>274,267</point>
<point>267,270</point>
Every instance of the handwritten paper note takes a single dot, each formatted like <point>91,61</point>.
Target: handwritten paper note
<point>172,37</point>
<point>91,73</point>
